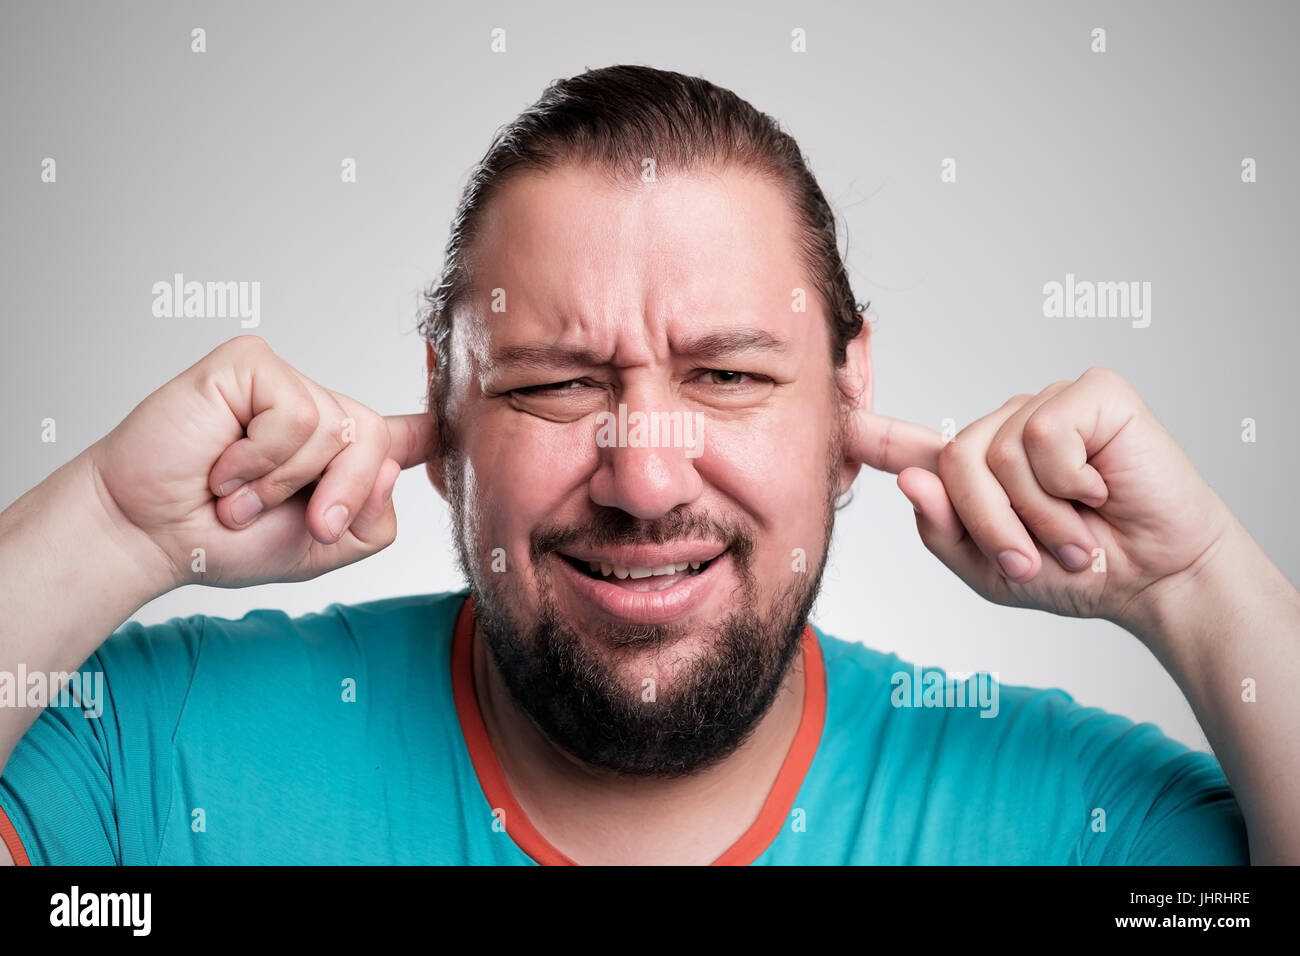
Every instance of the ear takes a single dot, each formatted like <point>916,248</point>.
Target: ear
<point>433,467</point>
<point>856,381</point>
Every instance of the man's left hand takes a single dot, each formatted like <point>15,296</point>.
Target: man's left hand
<point>1075,500</point>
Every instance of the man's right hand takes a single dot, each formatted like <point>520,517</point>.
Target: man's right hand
<point>274,477</point>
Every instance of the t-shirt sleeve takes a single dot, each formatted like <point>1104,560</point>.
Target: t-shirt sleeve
<point>1150,799</point>
<point>89,783</point>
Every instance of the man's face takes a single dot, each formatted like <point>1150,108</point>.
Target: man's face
<point>675,298</point>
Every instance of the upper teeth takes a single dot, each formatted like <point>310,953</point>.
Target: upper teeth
<point>620,571</point>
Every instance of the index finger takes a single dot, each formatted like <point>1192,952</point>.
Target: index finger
<point>891,444</point>
<point>414,438</point>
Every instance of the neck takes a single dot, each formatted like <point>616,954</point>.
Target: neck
<point>601,817</point>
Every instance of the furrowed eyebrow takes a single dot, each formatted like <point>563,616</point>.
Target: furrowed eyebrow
<point>711,345</point>
<point>714,345</point>
<point>546,356</point>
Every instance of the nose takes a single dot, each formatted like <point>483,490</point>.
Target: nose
<point>644,469</point>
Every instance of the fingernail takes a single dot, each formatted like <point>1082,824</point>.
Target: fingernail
<point>1013,564</point>
<point>246,507</point>
<point>228,486</point>
<point>336,519</point>
<point>1073,557</point>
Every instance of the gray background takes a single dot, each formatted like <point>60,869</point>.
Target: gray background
<point>1116,166</point>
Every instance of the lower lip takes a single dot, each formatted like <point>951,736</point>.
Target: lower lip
<point>644,607</point>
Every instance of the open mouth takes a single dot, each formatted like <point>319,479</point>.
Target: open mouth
<point>600,571</point>
<point>659,584</point>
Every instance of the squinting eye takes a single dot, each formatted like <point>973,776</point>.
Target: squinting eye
<point>726,377</point>
<point>550,387</point>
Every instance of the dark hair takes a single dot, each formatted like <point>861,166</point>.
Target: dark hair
<point>612,118</point>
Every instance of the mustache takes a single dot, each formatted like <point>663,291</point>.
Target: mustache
<point>611,526</point>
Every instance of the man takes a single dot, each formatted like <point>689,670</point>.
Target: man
<point>648,387</point>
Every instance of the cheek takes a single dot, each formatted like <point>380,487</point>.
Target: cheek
<point>528,472</point>
<point>772,459</point>
<point>775,466</point>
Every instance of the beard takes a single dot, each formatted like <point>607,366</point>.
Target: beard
<point>577,697</point>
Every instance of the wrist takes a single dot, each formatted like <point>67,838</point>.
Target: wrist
<point>152,572</point>
<point>1202,608</point>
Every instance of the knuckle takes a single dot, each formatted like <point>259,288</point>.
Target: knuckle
<point>341,432</point>
<point>957,456</point>
<point>249,343</point>
<point>277,487</point>
<point>338,425</point>
<point>1004,453</point>
<point>1101,373</point>
<point>985,529</point>
<point>1040,428</point>
<point>1041,520</point>
<point>1115,384</point>
<point>254,458</point>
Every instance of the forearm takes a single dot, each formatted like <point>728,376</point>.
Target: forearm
<point>70,574</point>
<point>1230,636</point>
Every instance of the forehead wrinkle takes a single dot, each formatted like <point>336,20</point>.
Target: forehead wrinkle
<point>628,306</point>
<point>620,341</point>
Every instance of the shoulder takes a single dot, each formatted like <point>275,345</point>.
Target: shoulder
<point>385,618</point>
<point>1031,759</point>
<point>967,721</point>
<point>881,686</point>
<point>389,634</point>
<point>878,691</point>
<point>267,646</point>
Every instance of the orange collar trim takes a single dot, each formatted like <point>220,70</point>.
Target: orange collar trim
<point>9,836</point>
<point>751,844</point>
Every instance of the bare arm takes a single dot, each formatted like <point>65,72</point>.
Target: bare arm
<point>1229,634</point>
<point>70,574</point>
<point>273,476</point>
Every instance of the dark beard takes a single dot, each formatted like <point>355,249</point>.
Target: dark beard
<point>582,705</point>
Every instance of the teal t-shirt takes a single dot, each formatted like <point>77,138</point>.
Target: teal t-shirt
<point>348,737</point>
